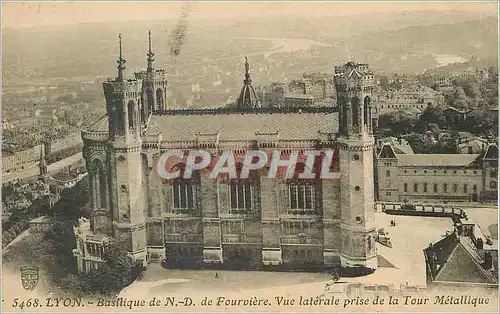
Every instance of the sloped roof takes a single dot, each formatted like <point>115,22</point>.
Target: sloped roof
<point>100,125</point>
<point>387,151</point>
<point>438,160</point>
<point>244,126</point>
<point>491,152</point>
<point>476,144</point>
<point>248,98</point>
<point>457,260</point>
<point>400,146</point>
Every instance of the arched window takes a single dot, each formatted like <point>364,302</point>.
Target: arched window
<point>455,188</point>
<point>425,187</point>
<point>465,188</point>
<point>405,187</point>
<point>99,185</point>
<point>355,112</point>
<point>131,114</point>
<point>159,99</point>
<point>120,119</point>
<point>150,101</point>
<point>445,188</point>
<point>415,187</point>
<point>493,185</point>
<point>367,103</point>
<point>435,188</point>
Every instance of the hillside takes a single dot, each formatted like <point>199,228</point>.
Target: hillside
<point>412,49</point>
<point>388,41</point>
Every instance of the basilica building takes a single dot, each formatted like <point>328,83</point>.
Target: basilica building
<point>253,223</point>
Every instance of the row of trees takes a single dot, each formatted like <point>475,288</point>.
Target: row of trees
<point>473,93</point>
<point>478,122</point>
<point>421,132</point>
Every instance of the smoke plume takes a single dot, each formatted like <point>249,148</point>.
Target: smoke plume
<point>178,35</point>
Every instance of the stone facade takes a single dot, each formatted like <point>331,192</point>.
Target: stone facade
<point>355,86</point>
<point>232,223</point>
<point>408,177</point>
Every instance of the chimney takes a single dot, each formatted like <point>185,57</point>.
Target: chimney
<point>488,261</point>
<point>479,244</point>
<point>304,87</point>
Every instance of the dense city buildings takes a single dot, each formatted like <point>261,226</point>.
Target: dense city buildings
<point>244,223</point>
<point>411,99</point>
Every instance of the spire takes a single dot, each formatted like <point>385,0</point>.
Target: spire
<point>151,55</point>
<point>248,80</point>
<point>248,97</point>
<point>121,61</point>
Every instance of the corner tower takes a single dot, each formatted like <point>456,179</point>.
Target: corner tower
<point>126,201</point>
<point>355,85</point>
<point>154,87</point>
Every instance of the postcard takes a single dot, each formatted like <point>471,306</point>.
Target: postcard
<point>250,156</point>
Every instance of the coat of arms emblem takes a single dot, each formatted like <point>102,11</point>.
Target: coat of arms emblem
<point>29,277</point>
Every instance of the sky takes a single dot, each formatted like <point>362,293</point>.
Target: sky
<point>31,13</point>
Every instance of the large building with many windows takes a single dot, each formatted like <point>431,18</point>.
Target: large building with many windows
<point>243,223</point>
<point>403,176</point>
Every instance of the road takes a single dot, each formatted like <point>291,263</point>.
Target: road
<point>33,171</point>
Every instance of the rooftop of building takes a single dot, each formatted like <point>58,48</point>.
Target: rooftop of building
<point>64,176</point>
<point>437,160</point>
<point>301,124</point>
<point>396,149</point>
<point>458,110</point>
<point>455,258</point>
<point>400,145</point>
<point>474,145</point>
<point>298,96</point>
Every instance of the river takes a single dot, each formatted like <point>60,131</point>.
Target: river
<point>445,59</point>
<point>287,45</point>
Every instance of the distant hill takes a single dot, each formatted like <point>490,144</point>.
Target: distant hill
<point>411,49</point>
<point>467,38</point>
<point>473,63</point>
<point>395,41</point>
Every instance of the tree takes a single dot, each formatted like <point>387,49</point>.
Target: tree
<point>112,276</point>
<point>458,98</point>
<point>473,92</point>
<point>482,122</point>
<point>430,120</point>
<point>400,122</point>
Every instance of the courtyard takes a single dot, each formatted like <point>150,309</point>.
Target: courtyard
<point>403,264</point>
<point>405,261</point>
